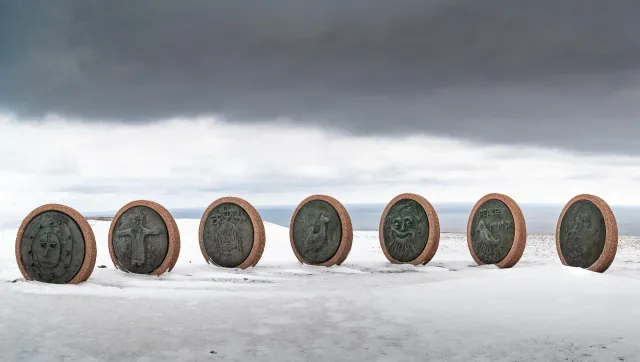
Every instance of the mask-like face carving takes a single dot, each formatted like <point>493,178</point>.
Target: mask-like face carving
<point>404,225</point>
<point>406,230</point>
<point>47,250</point>
<point>52,247</point>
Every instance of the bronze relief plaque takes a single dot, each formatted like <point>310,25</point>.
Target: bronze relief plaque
<point>496,231</point>
<point>140,240</point>
<point>492,231</point>
<point>582,234</point>
<point>228,235</point>
<point>317,231</point>
<point>405,230</point>
<point>52,248</point>
<point>55,244</point>
<point>587,234</point>
<point>231,233</point>
<point>320,231</point>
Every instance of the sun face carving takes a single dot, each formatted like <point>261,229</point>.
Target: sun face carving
<point>47,250</point>
<point>405,235</point>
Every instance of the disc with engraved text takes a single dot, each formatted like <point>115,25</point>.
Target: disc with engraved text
<point>142,239</point>
<point>55,244</point>
<point>587,234</point>
<point>320,231</point>
<point>232,233</point>
<point>496,231</point>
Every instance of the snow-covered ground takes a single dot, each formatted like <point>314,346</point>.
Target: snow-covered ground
<point>364,310</point>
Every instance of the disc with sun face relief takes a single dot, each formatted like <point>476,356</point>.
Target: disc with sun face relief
<point>55,244</point>
<point>144,238</point>
<point>409,230</point>
<point>587,234</point>
<point>496,231</point>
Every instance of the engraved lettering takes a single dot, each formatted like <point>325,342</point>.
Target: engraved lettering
<point>492,231</point>
<point>489,212</point>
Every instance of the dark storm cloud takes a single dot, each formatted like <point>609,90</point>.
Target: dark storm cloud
<point>559,73</point>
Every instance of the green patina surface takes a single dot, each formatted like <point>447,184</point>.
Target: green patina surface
<point>52,248</point>
<point>405,230</point>
<point>492,231</point>
<point>582,234</point>
<point>317,231</point>
<point>140,240</point>
<point>228,235</point>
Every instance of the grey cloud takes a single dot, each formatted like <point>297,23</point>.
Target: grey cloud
<point>553,73</point>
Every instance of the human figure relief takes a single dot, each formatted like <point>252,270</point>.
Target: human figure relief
<point>138,232</point>
<point>316,237</point>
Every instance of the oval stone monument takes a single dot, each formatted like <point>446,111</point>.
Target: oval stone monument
<point>587,234</point>
<point>496,231</point>
<point>320,231</point>
<point>231,234</point>
<point>144,239</point>
<point>409,230</point>
<point>55,244</point>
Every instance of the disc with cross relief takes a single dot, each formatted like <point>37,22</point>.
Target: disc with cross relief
<point>55,244</point>
<point>144,238</point>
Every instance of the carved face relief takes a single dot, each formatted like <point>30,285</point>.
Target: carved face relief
<point>492,231</point>
<point>317,231</point>
<point>582,234</point>
<point>47,250</point>
<point>406,230</point>
<point>52,248</point>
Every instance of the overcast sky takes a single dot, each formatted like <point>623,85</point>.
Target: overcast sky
<point>186,101</point>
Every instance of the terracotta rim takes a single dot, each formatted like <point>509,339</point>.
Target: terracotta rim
<point>347,231</point>
<point>87,233</point>
<point>433,240</point>
<point>259,236</point>
<point>611,229</point>
<point>519,236</point>
<point>173,234</point>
